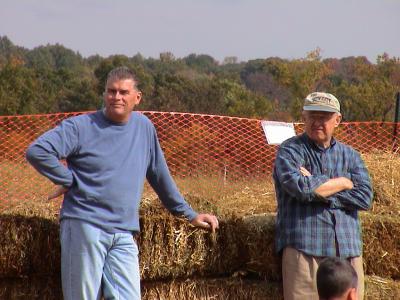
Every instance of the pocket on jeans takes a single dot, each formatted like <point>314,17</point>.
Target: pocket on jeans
<point>84,236</point>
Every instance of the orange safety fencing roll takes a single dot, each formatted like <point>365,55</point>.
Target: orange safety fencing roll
<point>205,153</point>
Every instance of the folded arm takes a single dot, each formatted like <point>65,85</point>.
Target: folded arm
<point>360,196</point>
<point>352,194</point>
<point>287,173</point>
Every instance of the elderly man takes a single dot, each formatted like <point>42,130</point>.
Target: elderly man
<point>109,154</point>
<point>320,185</point>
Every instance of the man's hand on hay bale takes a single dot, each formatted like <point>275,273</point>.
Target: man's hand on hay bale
<point>58,191</point>
<point>206,221</point>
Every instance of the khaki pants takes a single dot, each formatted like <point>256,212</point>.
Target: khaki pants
<point>299,273</point>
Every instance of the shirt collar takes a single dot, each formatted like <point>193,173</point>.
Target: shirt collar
<point>314,145</point>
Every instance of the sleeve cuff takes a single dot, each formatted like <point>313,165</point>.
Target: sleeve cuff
<point>190,215</point>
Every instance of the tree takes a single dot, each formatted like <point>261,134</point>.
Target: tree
<point>230,60</point>
<point>81,96</point>
<point>167,57</point>
<point>20,91</point>
<point>170,93</point>
<point>9,52</point>
<point>241,102</point>
<point>308,75</point>
<point>389,67</point>
<point>55,57</point>
<point>202,63</point>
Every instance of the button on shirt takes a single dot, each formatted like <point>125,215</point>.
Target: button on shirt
<point>308,222</point>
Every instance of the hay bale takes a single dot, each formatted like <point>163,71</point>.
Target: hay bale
<point>169,247</point>
<point>172,248</point>
<point>221,288</point>
<point>384,170</point>
<point>28,245</point>
<point>236,288</point>
<point>241,245</point>
<point>41,288</point>
<point>258,238</point>
<point>48,288</point>
<point>381,252</point>
<point>377,288</point>
<point>381,236</point>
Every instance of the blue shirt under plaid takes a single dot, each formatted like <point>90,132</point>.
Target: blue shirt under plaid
<point>310,223</point>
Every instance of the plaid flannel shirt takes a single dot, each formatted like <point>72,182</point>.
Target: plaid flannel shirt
<point>308,222</point>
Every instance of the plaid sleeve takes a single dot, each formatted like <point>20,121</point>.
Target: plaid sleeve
<point>360,196</point>
<point>287,172</point>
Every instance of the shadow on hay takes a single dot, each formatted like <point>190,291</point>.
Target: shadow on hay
<point>28,246</point>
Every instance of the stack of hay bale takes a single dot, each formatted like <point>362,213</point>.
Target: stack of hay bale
<point>179,261</point>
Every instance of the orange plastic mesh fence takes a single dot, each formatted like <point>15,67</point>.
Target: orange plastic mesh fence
<point>208,155</point>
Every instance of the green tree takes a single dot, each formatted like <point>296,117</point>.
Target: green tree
<point>171,93</point>
<point>308,75</point>
<point>243,103</point>
<point>20,91</point>
<point>81,96</point>
<point>202,63</point>
<point>55,57</point>
<point>9,52</point>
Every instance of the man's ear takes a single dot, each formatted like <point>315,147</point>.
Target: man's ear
<point>338,119</point>
<point>138,98</point>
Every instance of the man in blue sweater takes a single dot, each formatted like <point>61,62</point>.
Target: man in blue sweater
<point>109,154</point>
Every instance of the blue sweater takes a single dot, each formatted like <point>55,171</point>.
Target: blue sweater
<point>106,166</point>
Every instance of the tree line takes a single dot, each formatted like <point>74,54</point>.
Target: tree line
<point>53,78</point>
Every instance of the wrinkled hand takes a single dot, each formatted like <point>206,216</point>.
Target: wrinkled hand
<point>304,171</point>
<point>347,183</point>
<point>59,190</point>
<point>206,221</point>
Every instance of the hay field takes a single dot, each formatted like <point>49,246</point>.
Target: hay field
<point>238,262</point>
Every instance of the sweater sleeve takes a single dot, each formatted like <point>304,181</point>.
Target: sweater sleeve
<point>161,181</point>
<point>45,153</point>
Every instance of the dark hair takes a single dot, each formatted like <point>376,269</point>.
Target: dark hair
<point>334,277</point>
<point>121,73</point>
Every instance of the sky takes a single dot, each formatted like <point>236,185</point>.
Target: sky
<point>247,29</point>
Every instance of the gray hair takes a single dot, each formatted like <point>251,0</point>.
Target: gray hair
<point>122,73</point>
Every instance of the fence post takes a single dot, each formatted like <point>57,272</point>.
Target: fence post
<point>396,122</point>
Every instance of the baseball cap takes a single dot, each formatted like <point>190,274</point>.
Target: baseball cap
<point>319,101</point>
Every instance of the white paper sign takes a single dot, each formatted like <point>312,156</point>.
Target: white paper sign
<point>277,132</point>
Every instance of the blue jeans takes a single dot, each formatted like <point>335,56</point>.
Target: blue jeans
<point>96,263</point>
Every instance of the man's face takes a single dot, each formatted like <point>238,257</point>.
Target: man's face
<point>120,97</point>
<point>320,125</point>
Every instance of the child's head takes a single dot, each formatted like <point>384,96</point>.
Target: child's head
<point>336,279</point>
